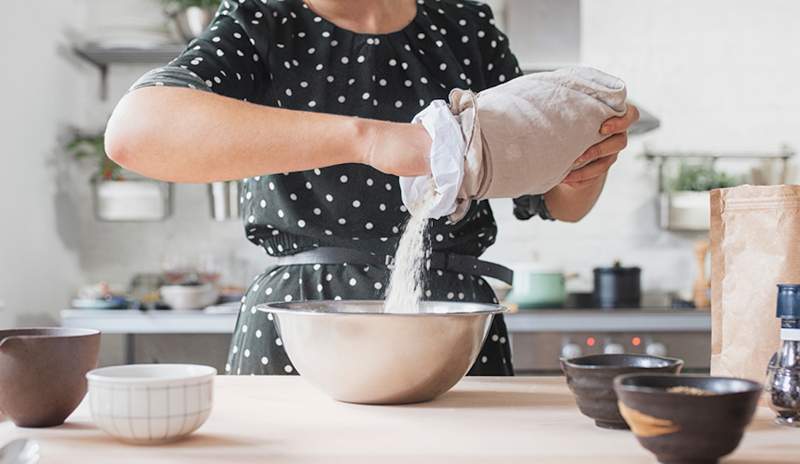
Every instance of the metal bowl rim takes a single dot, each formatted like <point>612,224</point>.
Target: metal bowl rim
<point>280,308</point>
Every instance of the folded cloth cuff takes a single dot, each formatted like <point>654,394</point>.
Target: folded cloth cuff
<point>446,158</point>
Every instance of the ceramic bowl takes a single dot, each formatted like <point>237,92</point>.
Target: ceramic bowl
<point>42,373</point>
<point>151,403</point>
<point>355,352</point>
<point>684,426</point>
<point>591,379</point>
<point>183,297</point>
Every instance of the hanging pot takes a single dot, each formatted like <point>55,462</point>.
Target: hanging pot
<point>224,198</point>
<point>190,22</point>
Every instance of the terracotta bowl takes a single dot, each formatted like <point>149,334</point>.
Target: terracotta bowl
<point>591,379</point>
<point>696,425</point>
<point>42,373</point>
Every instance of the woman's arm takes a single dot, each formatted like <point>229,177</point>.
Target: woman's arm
<point>184,135</point>
<point>571,200</point>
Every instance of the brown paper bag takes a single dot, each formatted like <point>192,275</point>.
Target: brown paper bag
<point>755,233</point>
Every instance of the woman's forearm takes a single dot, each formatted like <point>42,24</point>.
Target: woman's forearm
<point>184,135</point>
<point>571,203</point>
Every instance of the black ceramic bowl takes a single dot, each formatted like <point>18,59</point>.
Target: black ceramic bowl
<point>686,427</point>
<point>591,379</point>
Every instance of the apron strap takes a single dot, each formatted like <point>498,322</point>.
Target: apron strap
<point>452,262</point>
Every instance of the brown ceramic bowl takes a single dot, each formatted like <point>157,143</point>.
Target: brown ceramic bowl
<point>685,427</point>
<point>42,373</point>
<point>591,379</point>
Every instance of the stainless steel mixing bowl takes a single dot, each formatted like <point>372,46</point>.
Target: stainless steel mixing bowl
<point>356,353</point>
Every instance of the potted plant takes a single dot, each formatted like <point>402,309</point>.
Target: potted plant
<point>119,195</point>
<point>190,17</point>
<point>685,206</point>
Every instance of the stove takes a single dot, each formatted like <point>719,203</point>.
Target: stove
<point>539,338</point>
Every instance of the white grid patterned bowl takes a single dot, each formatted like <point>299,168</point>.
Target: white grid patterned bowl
<point>151,403</point>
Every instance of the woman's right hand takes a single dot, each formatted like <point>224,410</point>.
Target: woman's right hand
<point>401,149</point>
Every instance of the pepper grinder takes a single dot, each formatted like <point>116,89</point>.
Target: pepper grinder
<point>783,374</point>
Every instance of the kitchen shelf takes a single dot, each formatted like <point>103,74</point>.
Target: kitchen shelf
<point>103,57</point>
<point>690,210</point>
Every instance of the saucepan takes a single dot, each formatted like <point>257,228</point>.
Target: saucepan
<point>357,353</point>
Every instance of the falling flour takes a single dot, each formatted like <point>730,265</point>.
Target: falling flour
<point>405,284</point>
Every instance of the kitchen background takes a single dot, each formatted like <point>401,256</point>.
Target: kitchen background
<point>700,68</point>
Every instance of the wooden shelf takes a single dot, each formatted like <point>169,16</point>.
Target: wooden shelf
<point>103,57</point>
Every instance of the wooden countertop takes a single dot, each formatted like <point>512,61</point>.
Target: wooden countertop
<point>482,420</point>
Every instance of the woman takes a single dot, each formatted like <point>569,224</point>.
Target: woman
<point>269,94</point>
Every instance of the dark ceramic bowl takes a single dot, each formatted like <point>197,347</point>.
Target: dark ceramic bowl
<point>683,428</point>
<point>42,373</point>
<point>591,379</point>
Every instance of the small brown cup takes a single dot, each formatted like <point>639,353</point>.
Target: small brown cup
<point>591,379</point>
<point>43,373</point>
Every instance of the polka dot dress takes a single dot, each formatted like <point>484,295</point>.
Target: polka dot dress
<point>280,53</point>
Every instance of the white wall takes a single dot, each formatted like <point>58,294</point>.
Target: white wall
<point>40,90</point>
<point>718,75</point>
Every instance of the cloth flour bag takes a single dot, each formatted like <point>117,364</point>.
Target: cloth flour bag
<point>755,232</point>
<point>518,138</point>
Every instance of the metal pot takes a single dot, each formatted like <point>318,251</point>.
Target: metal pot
<point>537,286</point>
<point>192,21</point>
<point>224,200</point>
<point>617,287</point>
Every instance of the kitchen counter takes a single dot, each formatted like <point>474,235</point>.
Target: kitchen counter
<point>285,420</point>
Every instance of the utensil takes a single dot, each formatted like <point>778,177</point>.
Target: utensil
<point>591,379</point>
<point>151,404</point>
<point>783,373</point>
<point>356,353</point>
<point>20,451</point>
<point>617,287</point>
<point>687,418</point>
<point>42,373</point>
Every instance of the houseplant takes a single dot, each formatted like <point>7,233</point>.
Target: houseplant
<point>117,194</point>
<point>685,205</point>
<point>190,17</point>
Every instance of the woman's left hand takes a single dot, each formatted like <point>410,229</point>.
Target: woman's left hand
<point>598,158</point>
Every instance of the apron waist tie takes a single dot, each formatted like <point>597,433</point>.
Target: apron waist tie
<point>452,262</point>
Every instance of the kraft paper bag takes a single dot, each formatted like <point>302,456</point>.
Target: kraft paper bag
<point>755,245</point>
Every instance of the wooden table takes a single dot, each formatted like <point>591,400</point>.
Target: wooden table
<point>486,420</point>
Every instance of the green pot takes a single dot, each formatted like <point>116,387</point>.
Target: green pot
<point>537,287</point>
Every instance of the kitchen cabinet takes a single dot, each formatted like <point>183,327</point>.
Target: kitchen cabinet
<point>482,420</point>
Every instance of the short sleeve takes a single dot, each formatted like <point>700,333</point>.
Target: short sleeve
<point>501,66</point>
<point>225,59</point>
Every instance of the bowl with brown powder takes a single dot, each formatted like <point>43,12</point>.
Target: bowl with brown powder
<point>687,418</point>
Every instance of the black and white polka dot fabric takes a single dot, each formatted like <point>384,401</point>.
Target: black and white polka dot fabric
<point>282,54</point>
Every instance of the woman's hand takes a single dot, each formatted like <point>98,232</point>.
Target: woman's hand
<point>597,159</point>
<point>399,149</point>
<point>575,196</point>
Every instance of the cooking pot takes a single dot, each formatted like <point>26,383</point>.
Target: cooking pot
<point>617,287</point>
<point>538,286</point>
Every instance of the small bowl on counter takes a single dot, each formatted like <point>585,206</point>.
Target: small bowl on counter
<point>151,404</point>
<point>591,379</point>
<point>687,418</point>
<point>189,296</point>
